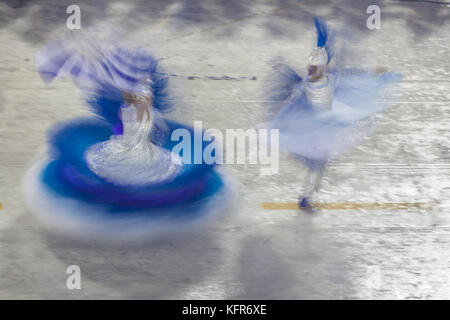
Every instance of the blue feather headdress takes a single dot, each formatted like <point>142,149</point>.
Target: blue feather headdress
<point>325,37</point>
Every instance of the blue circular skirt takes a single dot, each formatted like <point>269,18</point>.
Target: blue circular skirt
<point>64,185</point>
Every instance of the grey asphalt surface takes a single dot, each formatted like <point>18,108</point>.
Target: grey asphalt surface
<point>221,54</point>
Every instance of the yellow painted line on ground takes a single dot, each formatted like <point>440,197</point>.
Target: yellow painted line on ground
<point>348,205</point>
<point>1,207</point>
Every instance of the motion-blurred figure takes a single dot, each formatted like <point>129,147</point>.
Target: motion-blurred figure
<point>115,174</point>
<point>329,112</point>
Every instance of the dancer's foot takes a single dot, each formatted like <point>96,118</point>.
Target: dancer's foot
<point>303,203</point>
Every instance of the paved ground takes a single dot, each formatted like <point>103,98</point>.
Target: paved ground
<point>221,52</point>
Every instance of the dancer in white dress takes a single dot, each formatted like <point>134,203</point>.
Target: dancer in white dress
<point>131,158</point>
<point>114,173</point>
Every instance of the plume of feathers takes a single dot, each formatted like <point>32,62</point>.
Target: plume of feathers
<point>325,37</point>
<point>281,83</point>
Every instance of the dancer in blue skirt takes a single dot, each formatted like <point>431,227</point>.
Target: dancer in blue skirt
<point>115,174</point>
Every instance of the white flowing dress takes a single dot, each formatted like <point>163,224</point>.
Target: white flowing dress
<point>131,159</point>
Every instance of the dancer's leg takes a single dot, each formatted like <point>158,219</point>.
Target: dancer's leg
<point>312,183</point>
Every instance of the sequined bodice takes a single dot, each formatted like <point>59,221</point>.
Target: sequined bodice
<point>131,158</point>
<point>319,94</point>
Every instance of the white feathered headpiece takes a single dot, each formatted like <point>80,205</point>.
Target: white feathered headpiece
<point>318,57</point>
